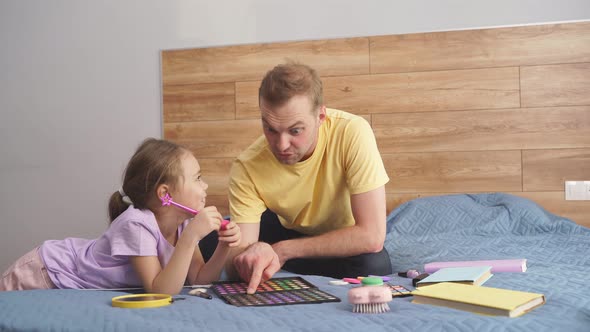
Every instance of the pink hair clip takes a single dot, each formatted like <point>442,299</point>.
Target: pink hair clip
<point>167,201</point>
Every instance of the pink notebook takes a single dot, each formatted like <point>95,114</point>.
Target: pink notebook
<point>498,265</point>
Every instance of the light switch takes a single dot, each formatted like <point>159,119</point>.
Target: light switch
<point>577,190</point>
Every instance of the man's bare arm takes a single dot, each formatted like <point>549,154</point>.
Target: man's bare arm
<point>366,236</point>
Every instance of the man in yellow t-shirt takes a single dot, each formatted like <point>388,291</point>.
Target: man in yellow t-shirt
<point>308,195</point>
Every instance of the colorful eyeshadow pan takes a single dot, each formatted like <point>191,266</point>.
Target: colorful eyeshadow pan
<point>276,291</point>
<point>399,291</point>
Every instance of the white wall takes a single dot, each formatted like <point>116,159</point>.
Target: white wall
<point>80,84</point>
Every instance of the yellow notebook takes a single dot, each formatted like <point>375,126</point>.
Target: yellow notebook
<point>479,299</point>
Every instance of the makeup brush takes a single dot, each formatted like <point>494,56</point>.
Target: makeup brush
<point>167,201</point>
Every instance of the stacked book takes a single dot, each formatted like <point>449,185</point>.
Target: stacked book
<point>457,285</point>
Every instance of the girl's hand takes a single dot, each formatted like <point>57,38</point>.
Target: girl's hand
<point>208,220</point>
<point>231,236</point>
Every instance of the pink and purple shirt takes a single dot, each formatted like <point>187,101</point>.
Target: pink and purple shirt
<point>104,262</point>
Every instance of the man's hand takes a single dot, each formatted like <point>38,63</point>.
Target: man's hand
<point>256,264</point>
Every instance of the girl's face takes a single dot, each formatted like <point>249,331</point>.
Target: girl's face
<point>191,190</point>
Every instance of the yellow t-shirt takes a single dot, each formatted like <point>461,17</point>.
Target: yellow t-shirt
<point>312,196</point>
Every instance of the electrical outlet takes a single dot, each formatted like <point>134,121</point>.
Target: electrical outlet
<point>577,190</point>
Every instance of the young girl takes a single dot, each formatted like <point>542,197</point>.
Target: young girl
<point>147,244</point>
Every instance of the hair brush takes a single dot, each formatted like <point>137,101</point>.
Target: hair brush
<point>371,297</point>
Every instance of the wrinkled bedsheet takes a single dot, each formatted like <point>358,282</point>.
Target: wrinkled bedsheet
<point>442,228</point>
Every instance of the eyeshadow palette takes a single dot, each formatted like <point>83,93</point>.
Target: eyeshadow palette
<point>276,291</point>
<point>399,291</point>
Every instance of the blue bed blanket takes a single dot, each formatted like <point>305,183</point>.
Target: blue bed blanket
<point>444,228</point>
<point>499,226</point>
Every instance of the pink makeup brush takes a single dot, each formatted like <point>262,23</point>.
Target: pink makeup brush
<point>167,200</point>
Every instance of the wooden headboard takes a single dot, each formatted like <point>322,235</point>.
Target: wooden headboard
<point>488,110</point>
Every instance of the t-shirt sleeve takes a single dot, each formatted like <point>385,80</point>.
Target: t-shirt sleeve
<point>245,204</point>
<point>364,167</point>
<point>133,238</point>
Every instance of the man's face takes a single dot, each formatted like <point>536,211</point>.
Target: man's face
<point>292,129</point>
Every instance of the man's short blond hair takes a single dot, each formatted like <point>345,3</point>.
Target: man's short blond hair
<point>291,79</point>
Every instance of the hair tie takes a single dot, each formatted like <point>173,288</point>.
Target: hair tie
<point>124,197</point>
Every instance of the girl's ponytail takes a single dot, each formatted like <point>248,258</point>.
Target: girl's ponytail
<point>116,205</point>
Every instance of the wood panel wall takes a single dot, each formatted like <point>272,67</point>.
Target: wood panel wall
<point>488,110</point>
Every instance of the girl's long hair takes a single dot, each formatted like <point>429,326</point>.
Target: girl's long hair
<point>155,162</point>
